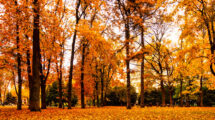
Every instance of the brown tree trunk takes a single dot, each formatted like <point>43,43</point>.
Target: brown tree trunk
<point>97,94</point>
<point>82,76</point>
<point>71,71</point>
<point>94,97</point>
<point>60,90</point>
<point>35,97</point>
<point>0,96</point>
<point>181,95</point>
<point>170,97</point>
<point>188,96</point>
<point>43,82</point>
<point>187,100</point>
<point>127,36</point>
<point>105,97</point>
<point>201,92</point>
<point>19,105</point>
<point>102,87</point>
<point>142,72</point>
<point>43,94</point>
<point>72,55</point>
<point>163,93</point>
<point>60,81</point>
<point>29,74</point>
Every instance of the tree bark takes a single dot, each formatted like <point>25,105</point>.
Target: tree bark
<point>102,87</point>
<point>97,94</point>
<point>0,96</point>
<point>181,95</point>
<point>60,77</point>
<point>73,54</point>
<point>60,90</point>
<point>127,36</point>
<point>29,74</point>
<point>43,94</point>
<point>35,97</point>
<point>19,104</point>
<point>163,93</point>
<point>170,97</point>
<point>82,76</point>
<point>94,97</point>
<point>142,72</point>
<point>201,92</point>
<point>188,96</point>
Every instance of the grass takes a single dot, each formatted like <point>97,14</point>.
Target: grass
<point>117,113</point>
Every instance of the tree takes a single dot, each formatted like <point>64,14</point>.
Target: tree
<point>78,15</point>
<point>159,53</point>
<point>35,88</point>
<point>126,11</point>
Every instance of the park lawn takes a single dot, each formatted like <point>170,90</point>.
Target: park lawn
<point>118,113</point>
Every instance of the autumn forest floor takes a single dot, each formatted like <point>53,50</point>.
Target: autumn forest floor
<point>118,113</point>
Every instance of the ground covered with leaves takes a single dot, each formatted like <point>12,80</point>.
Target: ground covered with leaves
<point>118,113</point>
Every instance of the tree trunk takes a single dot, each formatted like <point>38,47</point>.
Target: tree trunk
<point>127,36</point>
<point>0,96</point>
<point>187,100</point>
<point>170,97</point>
<point>29,74</point>
<point>97,94</point>
<point>201,92</point>
<point>142,72</point>
<point>71,71</point>
<point>163,93</point>
<point>43,94</point>
<point>19,105</point>
<point>43,82</point>
<point>102,88</point>
<point>181,95</point>
<point>82,76</point>
<point>72,55</point>
<point>35,97</point>
<point>105,96</point>
<point>60,91</point>
<point>60,82</point>
<point>188,96</point>
<point>94,97</point>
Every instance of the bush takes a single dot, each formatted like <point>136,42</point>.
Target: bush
<point>52,98</point>
<point>10,99</point>
<point>117,96</point>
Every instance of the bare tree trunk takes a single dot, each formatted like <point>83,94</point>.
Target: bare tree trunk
<point>60,77</point>
<point>181,95</point>
<point>201,92</point>
<point>94,97</point>
<point>71,71</point>
<point>43,94</point>
<point>142,72</point>
<point>163,93</point>
<point>72,55</point>
<point>102,87</point>
<point>82,76</point>
<point>188,96</point>
<point>43,83</point>
<point>127,36</point>
<point>35,97</point>
<point>97,94</point>
<point>170,96</point>
<point>60,90</point>
<point>105,96</point>
<point>29,74</point>
<point>0,96</point>
<point>19,105</point>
